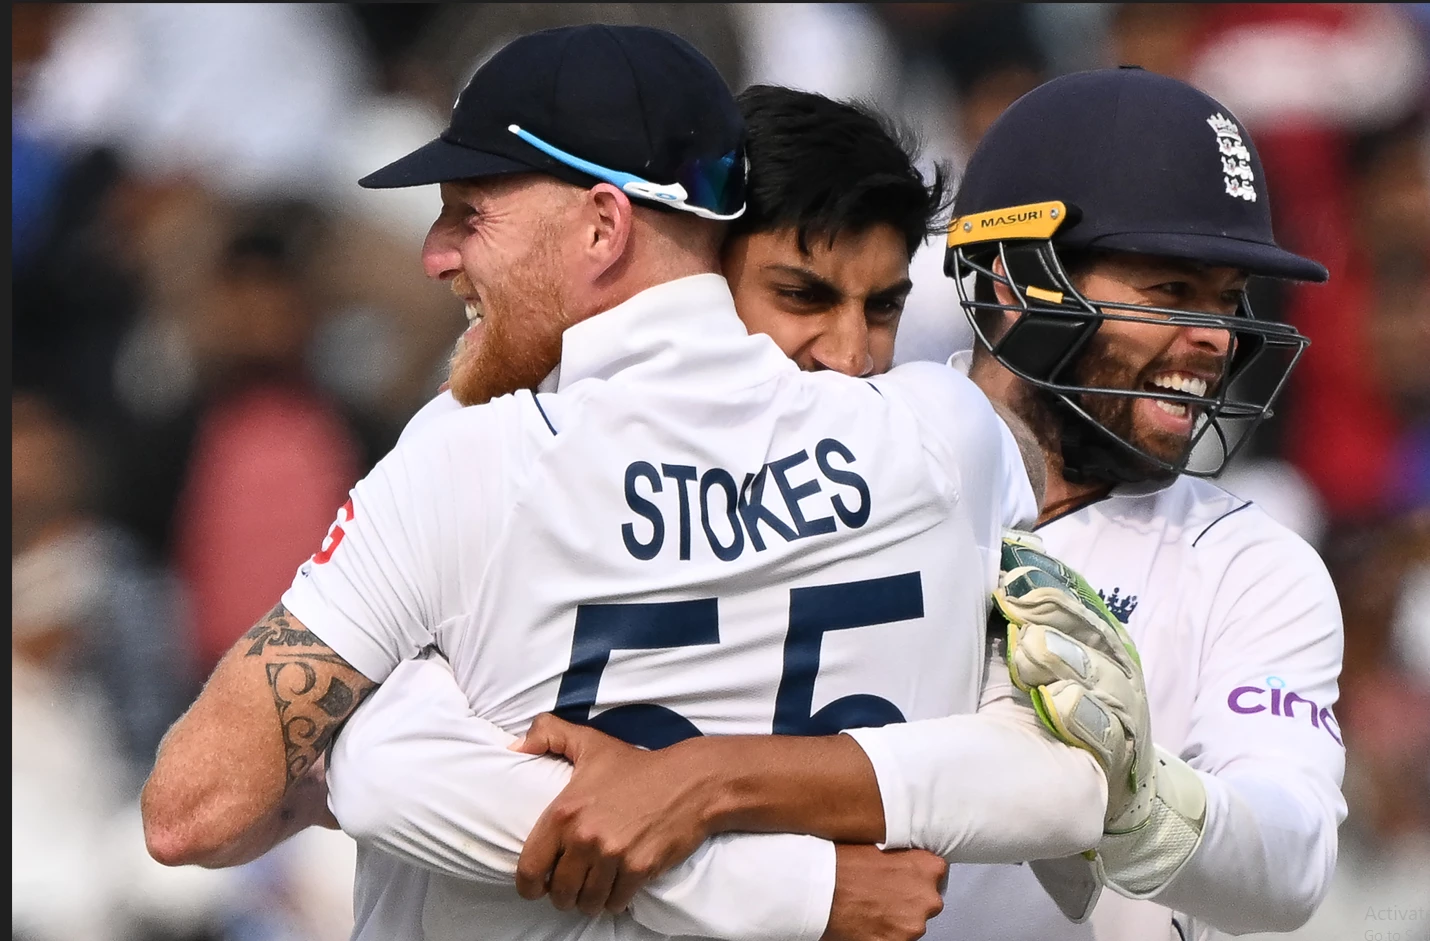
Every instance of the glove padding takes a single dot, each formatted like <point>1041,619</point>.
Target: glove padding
<point>1139,863</point>
<point>1074,883</point>
<point>1082,671</point>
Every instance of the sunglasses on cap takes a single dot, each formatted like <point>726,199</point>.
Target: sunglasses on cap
<point>711,189</point>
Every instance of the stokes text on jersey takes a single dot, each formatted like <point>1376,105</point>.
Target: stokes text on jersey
<point>732,519</point>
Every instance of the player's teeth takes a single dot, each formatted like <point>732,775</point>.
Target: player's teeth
<point>1188,384</point>
<point>1173,408</point>
<point>474,311</point>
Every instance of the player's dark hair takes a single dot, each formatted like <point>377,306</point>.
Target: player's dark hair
<point>822,167</point>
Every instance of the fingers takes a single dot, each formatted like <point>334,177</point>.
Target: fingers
<point>568,878</point>
<point>586,878</point>
<point>1023,602</point>
<point>1077,717</point>
<point>596,890</point>
<point>577,873</point>
<point>538,857</point>
<point>632,878</point>
<point>1082,717</point>
<point>547,735</point>
<point>942,886</point>
<point>936,868</point>
<point>1039,655</point>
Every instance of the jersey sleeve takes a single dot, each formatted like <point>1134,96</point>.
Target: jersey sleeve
<point>417,775</point>
<point>371,591</point>
<point>1263,735</point>
<point>443,403</point>
<point>974,788</point>
<point>969,442</point>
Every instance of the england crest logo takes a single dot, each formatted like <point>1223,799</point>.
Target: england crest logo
<point>1235,158</point>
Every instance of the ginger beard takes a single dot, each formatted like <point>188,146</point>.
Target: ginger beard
<point>517,343</point>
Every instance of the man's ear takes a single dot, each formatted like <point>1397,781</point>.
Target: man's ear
<point>1001,290</point>
<point>608,222</point>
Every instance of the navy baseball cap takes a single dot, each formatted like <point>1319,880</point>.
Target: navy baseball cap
<point>1145,163</point>
<point>635,106</point>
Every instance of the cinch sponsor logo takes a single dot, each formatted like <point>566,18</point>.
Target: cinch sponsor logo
<point>1012,218</point>
<point>1282,702</point>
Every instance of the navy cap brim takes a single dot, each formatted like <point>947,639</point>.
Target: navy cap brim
<point>441,161</point>
<point>1256,258</point>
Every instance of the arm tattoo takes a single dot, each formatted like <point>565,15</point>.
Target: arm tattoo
<point>275,631</point>
<point>314,689</point>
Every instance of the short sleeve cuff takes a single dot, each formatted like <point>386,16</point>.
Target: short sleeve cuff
<point>306,603</point>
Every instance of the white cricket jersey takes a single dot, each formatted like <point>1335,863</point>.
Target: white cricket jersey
<point>691,537</point>
<point>1239,630</point>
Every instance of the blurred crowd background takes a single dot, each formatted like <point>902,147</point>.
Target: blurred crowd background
<point>216,332</point>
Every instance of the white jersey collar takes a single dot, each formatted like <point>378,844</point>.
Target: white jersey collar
<point>673,328</point>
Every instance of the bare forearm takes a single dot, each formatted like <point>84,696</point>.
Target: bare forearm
<point>217,779</point>
<point>821,786</point>
<point>234,776</point>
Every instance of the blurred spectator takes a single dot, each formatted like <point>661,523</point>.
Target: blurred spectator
<point>1393,226</point>
<point>215,102</point>
<point>841,50</point>
<point>987,55</point>
<point>36,164</point>
<point>458,37</point>
<point>1385,696</point>
<point>72,299</point>
<point>87,603</point>
<point>272,458</point>
<point>1160,37</point>
<point>97,674</point>
<point>1410,632</point>
<point>1346,65</point>
<point>1360,400</point>
<point>247,96</point>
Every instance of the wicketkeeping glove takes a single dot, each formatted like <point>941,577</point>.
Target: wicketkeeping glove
<point>1082,671</point>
